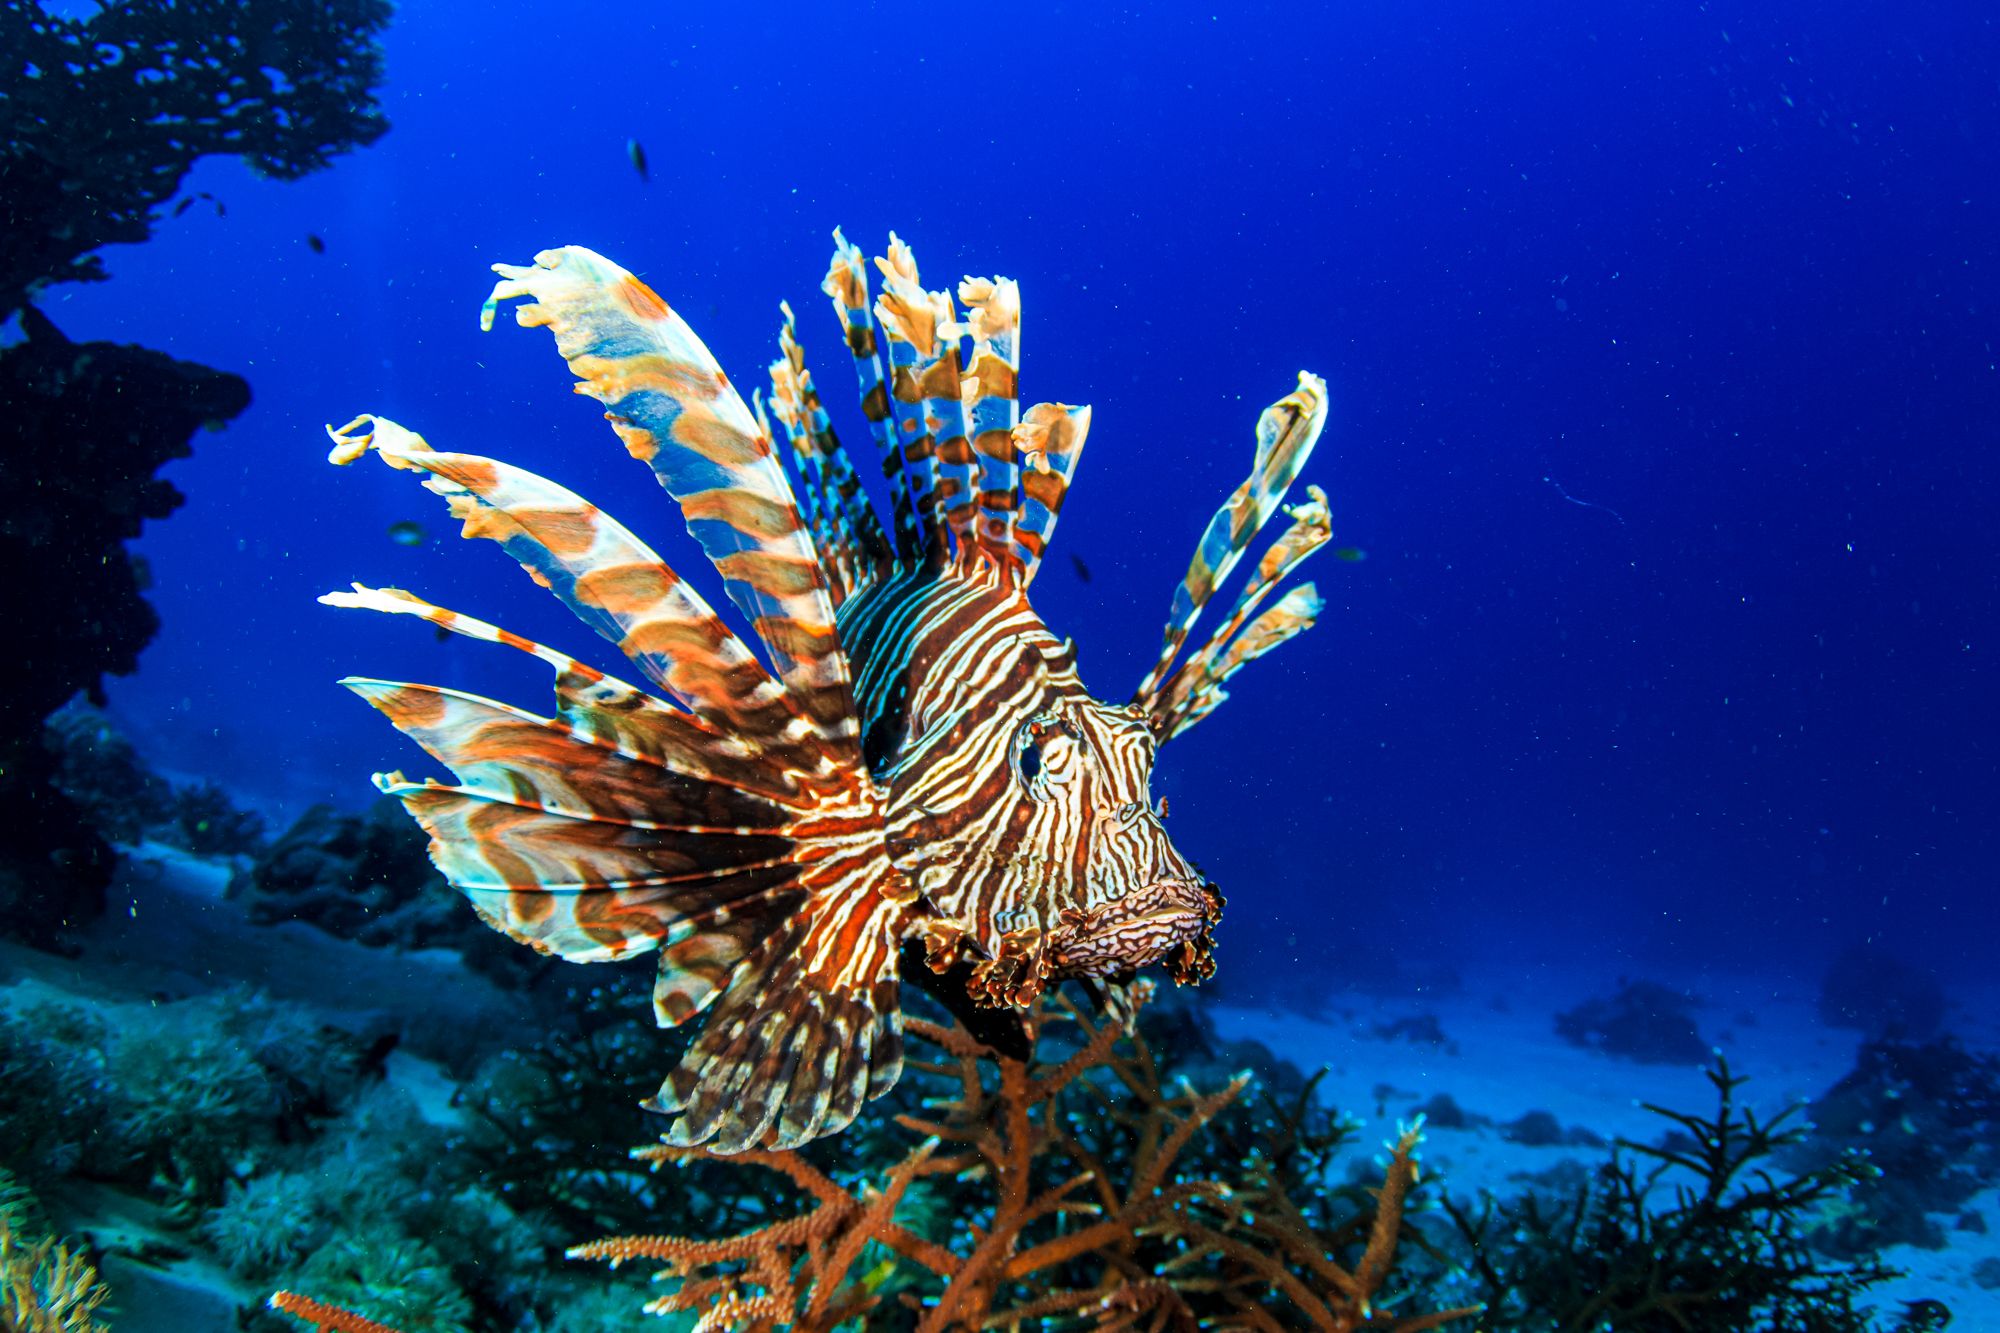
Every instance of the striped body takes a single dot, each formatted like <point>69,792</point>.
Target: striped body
<point>898,768</point>
<point>1018,806</point>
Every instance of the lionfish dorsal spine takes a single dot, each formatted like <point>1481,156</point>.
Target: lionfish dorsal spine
<point>846,284</point>
<point>992,396</point>
<point>1286,434</point>
<point>608,577</point>
<point>849,536</point>
<point>926,398</point>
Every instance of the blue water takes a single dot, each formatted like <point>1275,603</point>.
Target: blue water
<point>1661,347</point>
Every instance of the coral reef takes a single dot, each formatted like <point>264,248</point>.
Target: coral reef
<point>1075,1198</point>
<point>1729,1251</point>
<point>1928,1116</point>
<point>368,878</point>
<point>45,1286</point>
<point>98,768</point>
<point>103,115</point>
<point>85,427</point>
<point>205,820</point>
<point>173,1100</point>
<point>1644,1021</point>
<point>125,801</point>
<point>1872,990</point>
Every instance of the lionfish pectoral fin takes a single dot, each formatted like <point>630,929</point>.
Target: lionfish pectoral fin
<point>805,1027</point>
<point>1117,997</point>
<point>1002,1030</point>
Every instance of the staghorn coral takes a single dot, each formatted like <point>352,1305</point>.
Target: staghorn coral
<point>1062,1228</point>
<point>45,1286</point>
<point>1728,1253</point>
<point>326,1318</point>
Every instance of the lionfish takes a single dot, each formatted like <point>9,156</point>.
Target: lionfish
<point>911,782</point>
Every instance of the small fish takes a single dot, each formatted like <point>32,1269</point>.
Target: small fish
<point>315,242</point>
<point>916,790</point>
<point>1082,570</point>
<point>183,206</point>
<point>405,532</point>
<point>1353,555</point>
<point>637,152</point>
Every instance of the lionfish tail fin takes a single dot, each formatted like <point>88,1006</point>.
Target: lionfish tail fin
<point>1286,434</point>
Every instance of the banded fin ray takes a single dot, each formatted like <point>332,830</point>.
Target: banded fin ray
<point>854,548</point>
<point>611,580</point>
<point>606,710</point>
<point>508,754</point>
<point>1048,441</point>
<point>991,392</point>
<point>593,892</point>
<point>1286,433</point>
<point>846,285</point>
<point>1293,614</point>
<point>675,410</point>
<point>1202,674</point>
<point>924,396</point>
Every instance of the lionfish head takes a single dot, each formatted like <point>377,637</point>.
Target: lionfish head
<point>1021,808</point>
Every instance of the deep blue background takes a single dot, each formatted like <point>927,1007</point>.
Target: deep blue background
<point>1728,274</point>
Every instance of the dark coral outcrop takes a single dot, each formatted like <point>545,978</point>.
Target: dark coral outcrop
<point>83,428</point>
<point>103,114</point>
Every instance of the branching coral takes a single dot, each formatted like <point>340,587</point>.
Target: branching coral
<point>1727,1253</point>
<point>326,1318</point>
<point>1064,1228</point>
<point>45,1286</point>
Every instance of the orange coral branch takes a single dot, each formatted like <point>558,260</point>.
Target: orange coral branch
<point>1155,1250</point>
<point>327,1318</point>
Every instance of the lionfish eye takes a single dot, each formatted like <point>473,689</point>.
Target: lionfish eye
<point>1043,755</point>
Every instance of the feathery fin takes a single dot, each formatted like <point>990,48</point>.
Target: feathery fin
<point>1286,433</point>
<point>846,284</point>
<point>676,411</point>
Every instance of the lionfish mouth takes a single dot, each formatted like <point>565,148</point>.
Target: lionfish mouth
<point>1168,919</point>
